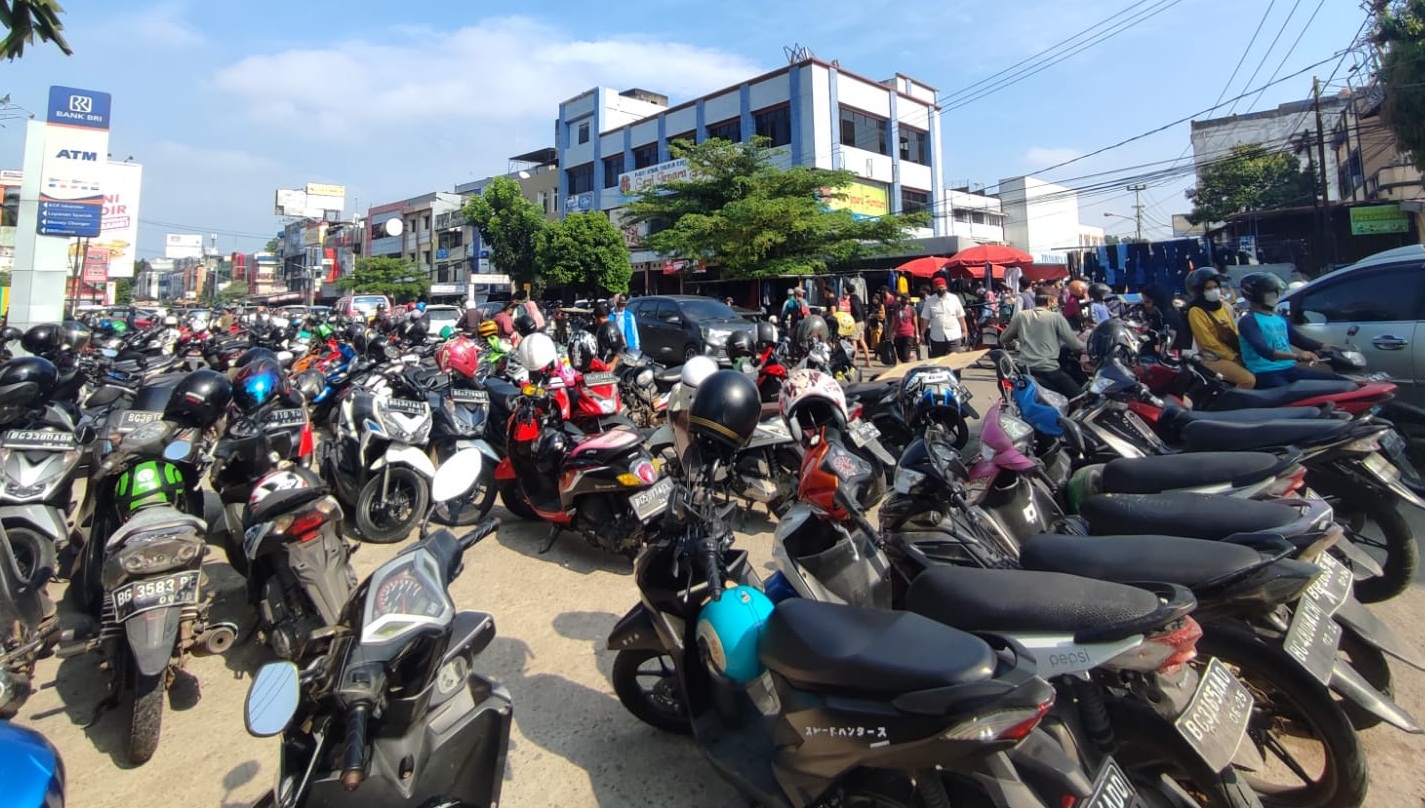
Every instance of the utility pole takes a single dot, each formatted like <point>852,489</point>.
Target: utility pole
<point>1321,164</point>
<point>1138,208</point>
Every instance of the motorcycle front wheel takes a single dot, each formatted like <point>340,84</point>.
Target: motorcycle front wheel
<point>647,685</point>
<point>391,504</point>
<point>513,500</point>
<point>1374,524</point>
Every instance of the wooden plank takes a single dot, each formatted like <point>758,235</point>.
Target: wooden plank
<point>955,361</point>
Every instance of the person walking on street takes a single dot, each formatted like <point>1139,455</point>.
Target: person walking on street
<point>1042,334</point>
<point>943,318</point>
<point>624,319</point>
<point>470,318</point>
<point>905,327</point>
<point>858,315</point>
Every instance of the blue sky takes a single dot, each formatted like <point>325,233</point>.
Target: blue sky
<point>224,102</point>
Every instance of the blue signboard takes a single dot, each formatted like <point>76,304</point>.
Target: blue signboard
<point>75,107</point>
<point>70,218</point>
<point>76,147</point>
<point>442,253</point>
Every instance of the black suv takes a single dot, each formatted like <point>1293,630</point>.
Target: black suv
<point>674,328</point>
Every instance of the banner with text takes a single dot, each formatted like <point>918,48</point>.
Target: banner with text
<point>72,172</point>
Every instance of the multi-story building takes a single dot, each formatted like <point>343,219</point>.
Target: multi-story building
<point>1289,125</point>
<point>973,217</point>
<point>1371,165</point>
<point>1042,219</point>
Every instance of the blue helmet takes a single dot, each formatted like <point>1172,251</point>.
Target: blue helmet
<point>421,306</point>
<point>256,384</point>
<point>729,630</point>
<point>927,389</point>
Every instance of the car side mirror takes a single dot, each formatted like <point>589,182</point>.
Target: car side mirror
<point>673,319</point>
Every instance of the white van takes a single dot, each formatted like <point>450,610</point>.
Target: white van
<point>363,306</point>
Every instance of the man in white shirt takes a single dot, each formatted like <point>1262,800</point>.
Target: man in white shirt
<point>944,317</point>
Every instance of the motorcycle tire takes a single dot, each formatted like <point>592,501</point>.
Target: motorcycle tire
<point>34,554</point>
<point>645,705</point>
<point>1353,509</point>
<point>1290,704</point>
<point>1148,750</point>
<point>513,500</point>
<point>393,530</point>
<point>147,717</point>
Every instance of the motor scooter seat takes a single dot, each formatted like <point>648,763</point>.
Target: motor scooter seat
<point>1193,516</point>
<point>665,379</point>
<point>1149,475</point>
<point>870,392</point>
<point>1237,399</point>
<point>770,409</point>
<point>977,599</point>
<point>1167,559</point>
<point>613,440</point>
<point>1179,417</point>
<point>1207,436</point>
<point>829,647</point>
<point>153,520</point>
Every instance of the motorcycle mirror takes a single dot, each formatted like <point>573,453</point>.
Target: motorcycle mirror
<point>109,352</point>
<point>272,699</point>
<point>177,451</point>
<point>456,475</point>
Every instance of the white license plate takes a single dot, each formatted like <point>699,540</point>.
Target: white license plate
<point>280,419</point>
<point>407,406</point>
<point>1313,639</point>
<point>1111,789</point>
<point>595,379</point>
<point>38,439</point>
<point>155,593</point>
<point>1332,586</point>
<point>652,501</point>
<point>863,433</point>
<point>129,420</point>
<point>1392,443</point>
<point>461,395</point>
<point>1215,721</point>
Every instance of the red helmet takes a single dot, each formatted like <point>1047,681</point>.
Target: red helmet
<point>458,355</point>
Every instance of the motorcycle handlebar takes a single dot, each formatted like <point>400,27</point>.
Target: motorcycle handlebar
<point>354,756</point>
<point>481,532</point>
<point>712,566</point>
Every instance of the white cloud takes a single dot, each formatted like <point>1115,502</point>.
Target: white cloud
<point>485,75</point>
<point>161,25</point>
<point>1044,156</point>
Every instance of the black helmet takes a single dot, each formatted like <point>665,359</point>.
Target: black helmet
<point>42,339</point>
<point>257,383</point>
<point>362,340</point>
<point>1198,278</point>
<point>252,355</point>
<point>310,383</point>
<point>1112,339</point>
<point>725,412</point>
<point>28,370</point>
<point>10,334</point>
<point>416,329</point>
<point>549,450</point>
<point>199,399</point>
<point>812,329</point>
<point>609,338</point>
<point>739,344</point>
<point>525,325</point>
<point>582,348</point>
<point>378,349</point>
<point>767,335</point>
<point>75,336</point>
<point>1258,285</point>
<point>1100,291</point>
<point>355,331</point>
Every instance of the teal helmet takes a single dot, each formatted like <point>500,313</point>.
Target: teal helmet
<point>447,332</point>
<point>729,630</point>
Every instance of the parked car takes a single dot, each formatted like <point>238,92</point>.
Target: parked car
<point>441,316</point>
<point>1383,296</point>
<point>673,328</point>
<point>362,306</point>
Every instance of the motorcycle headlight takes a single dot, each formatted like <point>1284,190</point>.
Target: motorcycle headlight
<point>396,431</point>
<point>644,378</point>
<point>145,557</point>
<point>22,478</point>
<point>1018,432</point>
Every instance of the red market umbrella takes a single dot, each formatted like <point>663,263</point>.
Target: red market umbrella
<point>977,256</point>
<point>1034,272</point>
<point>924,267</point>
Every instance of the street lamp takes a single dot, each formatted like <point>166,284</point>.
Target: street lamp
<point>1137,223</point>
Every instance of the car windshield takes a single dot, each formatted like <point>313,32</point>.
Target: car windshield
<point>367,305</point>
<point>699,310</point>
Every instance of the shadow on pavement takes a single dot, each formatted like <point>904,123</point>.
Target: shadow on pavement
<point>570,551</point>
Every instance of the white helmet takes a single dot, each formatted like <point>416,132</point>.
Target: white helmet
<point>170,321</point>
<point>698,368</point>
<point>536,352</point>
<point>810,400</point>
<point>471,305</point>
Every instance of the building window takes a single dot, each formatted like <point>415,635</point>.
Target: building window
<point>581,179</point>
<point>613,166</point>
<point>690,137</point>
<point>775,124</point>
<point>864,131</point>
<point>584,132</point>
<point>914,145</point>
<point>913,200</point>
<point>425,222</point>
<point>730,129</point>
<point>645,156</point>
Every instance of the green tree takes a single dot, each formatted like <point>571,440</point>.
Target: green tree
<point>585,250</point>
<point>270,246</point>
<point>754,219</point>
<point>392,277</point>
<point>510,226</point>
<point>123,292</point>
<point>1252,177</point>
<point>26,19</point>
<point>4,277</point>
<point>1400,31</point>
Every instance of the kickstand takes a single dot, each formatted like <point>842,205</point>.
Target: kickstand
<point>554,532</point>
<point>102,707</point>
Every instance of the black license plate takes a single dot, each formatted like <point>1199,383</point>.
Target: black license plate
<point>1111,789</point>
<point>650,502</point>
<point>1215,721</point>
<point>461,395</point>
<point>281,419</point>
<point>129,420</point>
<point>1330,589</point>
<point>595,379</point>
<point>156,593</point>
<point>38,439</point>
<point>1313,639</point>
<point>407,406</point>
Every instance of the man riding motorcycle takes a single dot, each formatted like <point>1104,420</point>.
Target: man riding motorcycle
<point>1271,345</point>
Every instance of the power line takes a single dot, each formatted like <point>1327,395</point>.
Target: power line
<point>1292,49</point>
<point>1268,53</point>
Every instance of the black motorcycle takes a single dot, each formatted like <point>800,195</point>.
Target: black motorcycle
<point>27,617</point>
<point>460,408</point>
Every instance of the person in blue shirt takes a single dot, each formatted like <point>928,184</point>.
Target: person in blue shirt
<point>1271,346</point>
<point>627,325</point>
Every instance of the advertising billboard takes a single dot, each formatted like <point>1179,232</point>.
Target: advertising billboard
<point>72,171</point>
<point>183,245</point>
<point>635,182</point>
<point>1373,219</point>
<point>9,214</point>
<point>864,200</point>
<point>310,202</point>
<point>119,233</point>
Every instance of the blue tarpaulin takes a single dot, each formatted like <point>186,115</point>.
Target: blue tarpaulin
<point>1134,266</point>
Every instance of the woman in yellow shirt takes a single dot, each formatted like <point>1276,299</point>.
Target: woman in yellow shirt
<point>1214,328</point>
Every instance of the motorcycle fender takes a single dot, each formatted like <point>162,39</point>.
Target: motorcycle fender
<point>662,436</point>
<point>1350,684</point>
<point>484,446</point>
<point>152,635</point>
<point>400,455</point>
<point>322,569</point>
<point>635,632</point>
<point>1396,487</point>
<point>874,444</point>
<point>1358,619</point>
<point>45,520</point>
<point>505,470</point>
<point>968,410</point>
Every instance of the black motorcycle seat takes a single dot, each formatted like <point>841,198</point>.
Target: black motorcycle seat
<point>770,409</point>
<point>1149,475</point>
<point>1194,516</point>
<point>1236,399</point>
<point>830,647</point>
<point>279,502</point>
<point>1178,417</point>
<point>869,392</point>
<point>977,599</point>
<point>1166,559</point>
<point>1209,436</point>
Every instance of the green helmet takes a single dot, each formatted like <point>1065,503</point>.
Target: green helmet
<point>152,482</point>
<point>324,331</point>
<point>447,332</point>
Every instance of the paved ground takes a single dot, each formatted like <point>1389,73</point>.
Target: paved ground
<point>572,745</point>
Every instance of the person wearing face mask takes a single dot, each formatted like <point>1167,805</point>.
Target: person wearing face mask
<point>1271,346</point>
<point>1213,327</point>
<point>943,318</point>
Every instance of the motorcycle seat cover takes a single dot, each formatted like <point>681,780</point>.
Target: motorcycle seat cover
<point>1236,399</point>
<point>1179,417</point>
<point>150,520</point>
<point>1166,559</point>
<point>612,440</point>
<point>976,599</point>
<point>1149,475</point>
<point>829,646</point>
<point>869,392</point>
<point>1221,436</point>
<point>669,377</point>
<point>1193,516</point>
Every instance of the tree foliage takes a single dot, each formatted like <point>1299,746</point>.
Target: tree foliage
<point>1400,30</point>
<point>270,246</point>
<point>232,294</point>
<point>754,219</point>
<point>585,251</point>
<point>392,277</point>
<point>26,19</point>
<point>1253,177</point>
<point>123,292</point>
<point>510,226</point>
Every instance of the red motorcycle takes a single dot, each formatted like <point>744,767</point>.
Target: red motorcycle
<point>595,403</point>
<point>772,371</point>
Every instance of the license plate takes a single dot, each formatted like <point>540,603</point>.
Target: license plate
<point>594,379</point>
<point>1215,721</point>
<point>1392,443</point>
<point>129,420</point>
<point>652,501</point>
<point>1312,639</point>
<point>461,395</point>
<point>863,433</point>
<point>279,419</point>
<point>1332,587</point>
<point>38,439</point>
<point>1111,789</point>
<point>156,593</point>
<point>407,406</point>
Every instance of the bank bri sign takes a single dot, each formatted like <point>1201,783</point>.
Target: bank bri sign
<point>76,153</point>
<point>73,107</point>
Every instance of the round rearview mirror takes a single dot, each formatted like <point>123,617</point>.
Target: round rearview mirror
<point>456,475</point>
<point>177,451</point>
<point>272,699</point>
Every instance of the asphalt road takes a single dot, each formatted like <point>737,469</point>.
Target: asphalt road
<point>572,744</point>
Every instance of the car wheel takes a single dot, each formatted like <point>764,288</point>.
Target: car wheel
<point>689,351</point>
